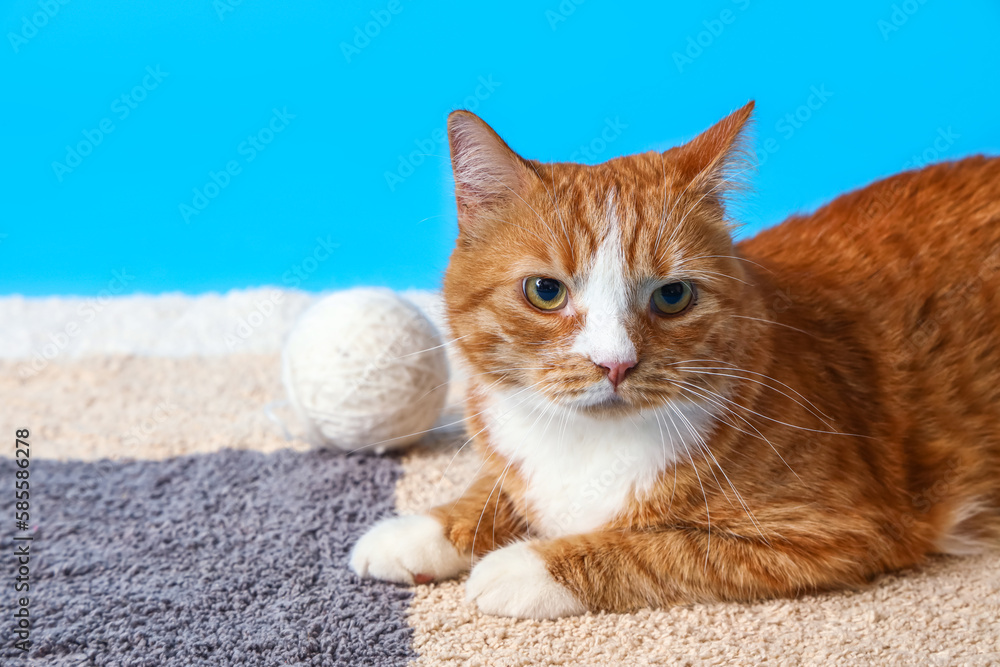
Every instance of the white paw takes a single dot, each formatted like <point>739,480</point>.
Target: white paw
<point>514,581</point>
<point>407,550</point>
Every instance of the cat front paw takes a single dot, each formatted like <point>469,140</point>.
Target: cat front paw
<point>407,550</point>
<point>514,581</point>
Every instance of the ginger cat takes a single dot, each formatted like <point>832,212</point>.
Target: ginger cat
<point>666,417</point>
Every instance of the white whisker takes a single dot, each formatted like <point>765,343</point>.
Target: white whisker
<point>708,513</point>
<point>832,430</point>
<point>436,347</point>
<point>777,324</point>
<point>697,391</point>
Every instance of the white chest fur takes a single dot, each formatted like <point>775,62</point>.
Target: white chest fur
<point>582,471</point>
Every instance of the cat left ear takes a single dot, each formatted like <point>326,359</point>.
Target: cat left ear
<point>714,155</point>
<point>487,172</point>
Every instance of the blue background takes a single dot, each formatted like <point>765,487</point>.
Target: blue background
<point>900,77</point>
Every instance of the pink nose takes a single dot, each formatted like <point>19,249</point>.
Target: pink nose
<point>616,371</point>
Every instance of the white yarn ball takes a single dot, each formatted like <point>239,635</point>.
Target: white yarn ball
<point>365,370</point>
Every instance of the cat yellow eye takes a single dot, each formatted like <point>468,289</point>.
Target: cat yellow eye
<point>546,294</point>
<point>672,298</point>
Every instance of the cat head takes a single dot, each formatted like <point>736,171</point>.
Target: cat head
<point>595,286</point>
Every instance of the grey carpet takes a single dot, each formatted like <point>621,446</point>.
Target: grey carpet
<point>234,558</point>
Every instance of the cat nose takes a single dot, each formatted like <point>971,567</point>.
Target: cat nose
<point>616,370</point>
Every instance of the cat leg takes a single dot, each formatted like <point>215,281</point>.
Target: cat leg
<point>407,550</point>
<point>418,549</point>
<point>621,571</point>
<point>516,581</point>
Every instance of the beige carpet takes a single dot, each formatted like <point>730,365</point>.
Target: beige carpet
<point>946,614</point>
<point>151,408</point>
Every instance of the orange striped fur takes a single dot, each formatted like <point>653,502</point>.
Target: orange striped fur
<point>847,362</point>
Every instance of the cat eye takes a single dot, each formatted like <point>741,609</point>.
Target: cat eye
<point>672,298</point>
<point>546,294</point>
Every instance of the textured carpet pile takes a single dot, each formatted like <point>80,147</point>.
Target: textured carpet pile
<point>214,559</point>
<point>174,524</point>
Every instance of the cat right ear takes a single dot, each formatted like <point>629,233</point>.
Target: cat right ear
<point>487,172</point>
<point>717,155</point>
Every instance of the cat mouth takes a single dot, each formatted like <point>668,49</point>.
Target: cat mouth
<point>604,403</point>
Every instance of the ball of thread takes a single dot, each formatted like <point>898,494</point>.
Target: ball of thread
<point>365,370</point>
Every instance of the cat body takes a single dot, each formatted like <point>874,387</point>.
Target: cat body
<point>688,419</point>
